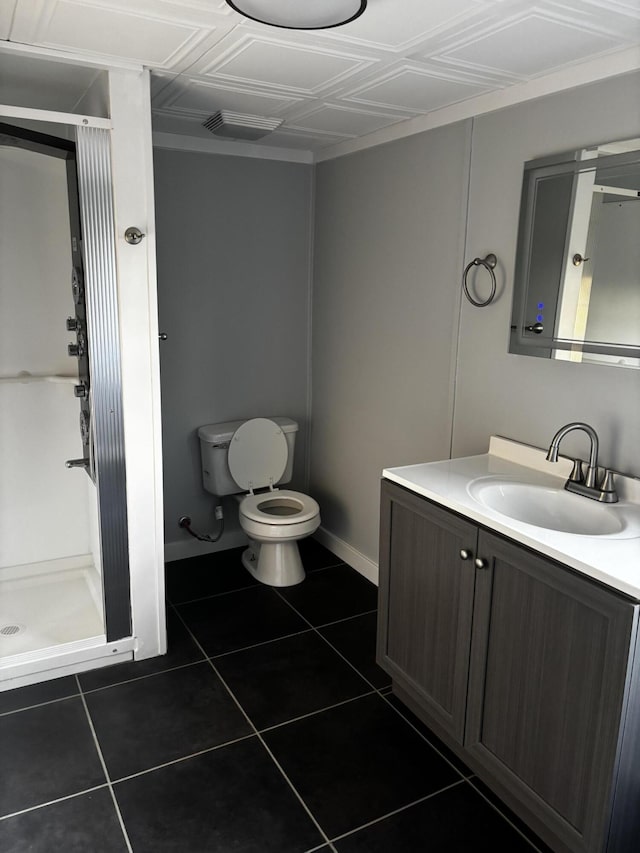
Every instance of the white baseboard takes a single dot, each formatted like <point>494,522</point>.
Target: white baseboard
<point>193,548</point>
<point>348,554</point>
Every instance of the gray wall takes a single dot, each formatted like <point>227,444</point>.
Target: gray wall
<point>233,291</point>
<point>388,244</point>
<point>521,397</point>
<point>392,339</point>
<point>387,318</point>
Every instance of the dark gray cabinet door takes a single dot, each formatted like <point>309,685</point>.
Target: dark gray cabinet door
<point>549,664</point>
<point>425,604</point>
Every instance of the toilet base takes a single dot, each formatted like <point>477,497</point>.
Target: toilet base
<point>274,563</point>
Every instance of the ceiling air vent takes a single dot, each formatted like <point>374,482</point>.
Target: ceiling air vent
<point>240,125</point>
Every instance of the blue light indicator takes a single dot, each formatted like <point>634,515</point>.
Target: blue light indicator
<point>539,318</point>
<point>540,306</point>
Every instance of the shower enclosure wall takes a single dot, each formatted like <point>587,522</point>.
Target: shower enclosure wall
<point>81,579</point>
<point>50,566</point>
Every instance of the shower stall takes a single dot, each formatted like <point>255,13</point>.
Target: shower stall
<point>67,601</point>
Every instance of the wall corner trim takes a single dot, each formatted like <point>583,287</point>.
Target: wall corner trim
<point>177,142</point>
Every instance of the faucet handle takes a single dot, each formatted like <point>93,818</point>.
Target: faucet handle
<point>607,487</point>
<point>576,475</point>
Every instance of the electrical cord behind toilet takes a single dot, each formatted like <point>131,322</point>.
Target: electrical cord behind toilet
<point>185,523</point>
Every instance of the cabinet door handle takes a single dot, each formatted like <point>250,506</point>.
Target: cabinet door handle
<point>480,563</point>
<point>465,555</point>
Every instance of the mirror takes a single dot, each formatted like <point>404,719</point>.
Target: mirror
<point>577,277</point>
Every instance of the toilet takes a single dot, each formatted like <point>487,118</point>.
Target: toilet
<point>249,459</point>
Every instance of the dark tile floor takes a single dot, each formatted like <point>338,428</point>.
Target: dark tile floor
<point>267,727</point>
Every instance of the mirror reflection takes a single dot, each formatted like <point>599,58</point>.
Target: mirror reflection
<point>577,279</point>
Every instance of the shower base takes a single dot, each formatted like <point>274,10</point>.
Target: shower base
<point>46,605</point>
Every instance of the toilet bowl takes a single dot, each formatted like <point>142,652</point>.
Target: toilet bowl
<point>274,521</point>
<point>257,455</point>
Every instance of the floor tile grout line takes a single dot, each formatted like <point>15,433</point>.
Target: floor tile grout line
<point>255,733</point>
<point>213,595</point>
<point>331,646</point>
<point>312,628</point>
<point>330,566</point>
<point>39,704</point>
<point>306,630</point>
<point>53,802</point>
<point>383,696</point>
<point>324,624</point>
<point>262,741</point>
<point>399,810</point>
<point>182,758</point>
<point>257,645</point>
<point>346,660</point>
<point>295,791</point>
<point>374,689</point>
<point>104,768</point>
<point>316,712</point>
<point>244,588</point>
<point>91,690</point>
<point>309,630</point>
<point>347,618</point>
<point>502,815</point>
<point>385,699</point>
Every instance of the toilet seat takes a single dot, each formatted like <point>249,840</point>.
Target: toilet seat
<point>257,454</point>
<point>279,507</point>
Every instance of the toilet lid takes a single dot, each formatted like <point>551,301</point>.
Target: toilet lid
<point>257,454</point>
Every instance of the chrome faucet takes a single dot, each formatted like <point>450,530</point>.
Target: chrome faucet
<point>577,482</point>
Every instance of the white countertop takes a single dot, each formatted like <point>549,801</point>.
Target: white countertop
<point>613,560</point>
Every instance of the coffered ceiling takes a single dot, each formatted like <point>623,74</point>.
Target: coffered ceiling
<point>400,60</point>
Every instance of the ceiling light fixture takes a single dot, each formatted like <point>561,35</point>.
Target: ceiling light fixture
<point>300,14</point>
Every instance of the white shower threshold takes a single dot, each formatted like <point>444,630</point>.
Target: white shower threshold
<point>57,609</point>
<point>49,604</point>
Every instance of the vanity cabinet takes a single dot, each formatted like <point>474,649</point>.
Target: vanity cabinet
<point>524,667</point>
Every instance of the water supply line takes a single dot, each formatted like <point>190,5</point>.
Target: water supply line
<point>185,523</point>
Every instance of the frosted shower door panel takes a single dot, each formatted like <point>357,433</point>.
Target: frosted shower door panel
<point>43,507</point>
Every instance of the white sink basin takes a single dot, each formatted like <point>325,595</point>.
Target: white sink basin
<point>548,507</point>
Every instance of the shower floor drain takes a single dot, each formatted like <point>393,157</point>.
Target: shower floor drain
<point>11,630</point>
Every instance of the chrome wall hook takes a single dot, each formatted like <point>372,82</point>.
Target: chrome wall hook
<point>133,235</point>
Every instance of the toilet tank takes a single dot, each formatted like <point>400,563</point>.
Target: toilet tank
<point>214,447</point>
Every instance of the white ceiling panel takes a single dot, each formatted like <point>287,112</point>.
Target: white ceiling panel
<point>115,32</point>
<point>415,89</point>
<point>281,64</point>
<point>400,60</point>
<point>628,7</point>
<point>333,118</point>
<point>201,98</point>
<point>383,27</point>
<point>557,43</point>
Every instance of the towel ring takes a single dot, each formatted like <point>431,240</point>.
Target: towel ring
<point>489,264</point>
